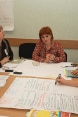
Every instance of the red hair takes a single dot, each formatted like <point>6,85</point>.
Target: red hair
<point>45,30</point>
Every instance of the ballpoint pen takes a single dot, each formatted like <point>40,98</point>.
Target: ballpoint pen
<point>72,65</point>
<point>59,76</point>
<point>68,66</point>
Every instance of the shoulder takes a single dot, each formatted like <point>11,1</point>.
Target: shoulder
<point>5,40</point>
<point>56,43</point>
<point>39,42</point>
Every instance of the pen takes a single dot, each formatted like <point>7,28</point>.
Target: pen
<point>59,76</point>
<point>16,72</point>
<point>69,66</point>
<point>75,64</point>
<point>8,70</point>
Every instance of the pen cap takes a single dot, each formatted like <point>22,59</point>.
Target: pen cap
<point>59,75</point>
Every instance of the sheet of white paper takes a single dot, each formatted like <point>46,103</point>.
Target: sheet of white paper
<point>3,79</point>
<point>4,116</point>
<point>50,70</point>
<point>11,65</point>
<point>27,93</point>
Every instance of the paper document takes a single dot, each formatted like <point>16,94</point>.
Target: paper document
<point>3,79</point>
<point>4,116</point>
<point>37,69</point>
<point>27,93</point>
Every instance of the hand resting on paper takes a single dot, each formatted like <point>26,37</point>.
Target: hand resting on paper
<point>63,81</point>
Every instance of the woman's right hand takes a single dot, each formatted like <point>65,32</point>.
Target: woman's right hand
<point>4,60</point>
<point>60,80</point>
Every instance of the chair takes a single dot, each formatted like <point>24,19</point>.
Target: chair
<point>66,56</point>
<point>26,50</point>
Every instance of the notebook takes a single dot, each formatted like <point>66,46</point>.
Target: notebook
<point>68,73</point>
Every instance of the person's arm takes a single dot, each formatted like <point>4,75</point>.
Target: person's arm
<point>37,53</point>
<point>63,81</point>
<point>10,53</point>
<point>3,61</point>
<point>60,55</point>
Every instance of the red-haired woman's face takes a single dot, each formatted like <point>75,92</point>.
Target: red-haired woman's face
<point>46,38</point>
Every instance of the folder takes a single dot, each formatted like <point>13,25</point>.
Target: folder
<point>68,73</point>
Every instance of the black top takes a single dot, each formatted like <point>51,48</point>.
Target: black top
<point>5,46</point>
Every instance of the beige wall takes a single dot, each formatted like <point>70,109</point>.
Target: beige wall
<point>60,15</point>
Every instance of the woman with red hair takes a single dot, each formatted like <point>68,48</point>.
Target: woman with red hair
<point>47,50</point>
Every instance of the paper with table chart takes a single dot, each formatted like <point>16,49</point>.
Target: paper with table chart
<point>27,93</point>
<point>35,69</point>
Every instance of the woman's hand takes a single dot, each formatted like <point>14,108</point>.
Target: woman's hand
<point>4,60</point>
<point>50,57</point>
<point>60,80</point>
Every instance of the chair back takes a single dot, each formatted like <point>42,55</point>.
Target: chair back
<point>26,50</point>
<point>66,56</point>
